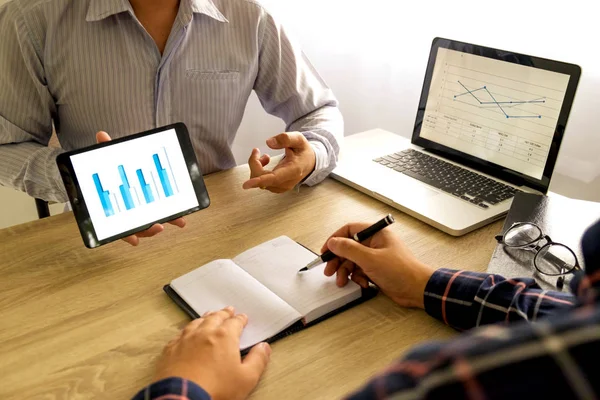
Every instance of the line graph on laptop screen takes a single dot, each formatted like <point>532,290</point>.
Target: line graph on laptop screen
<point>498,111</point>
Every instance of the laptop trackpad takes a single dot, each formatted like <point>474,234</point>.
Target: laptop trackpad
<point>407,192</point>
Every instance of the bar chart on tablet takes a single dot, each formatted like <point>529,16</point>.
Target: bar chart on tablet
<point>129,184</point>
<point>137,187</point>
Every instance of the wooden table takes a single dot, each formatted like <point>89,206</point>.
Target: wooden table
<point>80,324</point>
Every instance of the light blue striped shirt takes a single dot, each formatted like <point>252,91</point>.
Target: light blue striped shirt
<point>89,65</point>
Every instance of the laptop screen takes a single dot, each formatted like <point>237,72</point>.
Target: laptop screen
<point>500,111</point>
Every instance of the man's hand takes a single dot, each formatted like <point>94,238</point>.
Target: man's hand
<point>383,259</point>
<point>134,239</point>
<point>298,163</point>
<point>207,352</point>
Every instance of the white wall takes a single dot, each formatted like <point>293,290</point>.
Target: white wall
<point>373,55</point>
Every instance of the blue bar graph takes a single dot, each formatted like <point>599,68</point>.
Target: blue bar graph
<point>125,189</point>
<point>163,176</point>
<point>145,187</point>
<point>104,199</point>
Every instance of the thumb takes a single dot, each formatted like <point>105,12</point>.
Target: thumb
<point>351,250</point>
<point>102,137</point>
<point>256,361</point>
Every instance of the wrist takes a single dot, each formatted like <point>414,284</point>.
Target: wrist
<point>311,163</point>
<point>418,274</point>
<point>312,158</point>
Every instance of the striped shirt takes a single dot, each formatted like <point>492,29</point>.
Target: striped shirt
<point>89,65</point>
<point>535,344</point>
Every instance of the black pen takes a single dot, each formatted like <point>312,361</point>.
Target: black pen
<point>359,237</point>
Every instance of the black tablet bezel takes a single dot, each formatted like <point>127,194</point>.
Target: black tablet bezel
<point>84,221</point>
<point>514,177</point>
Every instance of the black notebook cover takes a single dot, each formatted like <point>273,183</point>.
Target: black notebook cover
<point>367,294</point>
<point>564,220</point>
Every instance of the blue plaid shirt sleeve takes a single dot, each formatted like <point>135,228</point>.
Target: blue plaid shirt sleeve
<point>464,299</point>
<point>172,389</point>
<point>501,360</point>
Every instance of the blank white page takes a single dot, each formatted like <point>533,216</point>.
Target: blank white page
<point>276,263</point>
<point>221,283</point>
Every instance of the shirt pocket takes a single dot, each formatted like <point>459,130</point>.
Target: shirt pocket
<point>212,103</point>
<point>224,75</point>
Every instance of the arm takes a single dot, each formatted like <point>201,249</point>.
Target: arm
<point>203,362</point>
<point>172,389</point>
<point>460,299</point>
<point>465,299</point>
<point>553,358</point>
<point>288,87</point>
<point>26,110</point>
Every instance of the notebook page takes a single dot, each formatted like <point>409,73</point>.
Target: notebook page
<point>221,283</point>
<point>276,263</point>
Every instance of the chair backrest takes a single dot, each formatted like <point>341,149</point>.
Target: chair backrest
<point>42,205</point>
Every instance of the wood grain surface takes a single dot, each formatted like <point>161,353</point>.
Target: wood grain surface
<point>85,324</point>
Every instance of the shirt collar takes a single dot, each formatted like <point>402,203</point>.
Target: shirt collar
<point>207,7</point>
<point>101,9</point>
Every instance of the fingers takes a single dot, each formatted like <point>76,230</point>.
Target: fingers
<point>215,319</point>
<point>351,250</point>
<point>192,326</point>
<point>153,230</point>
<point>346,268</point>
<point>277,178</point>
<point>346,231</point>
<point>265,159</point>
<point>255,163</point>
<point>225,318</point>
<point>292,140</point>
<point>132,240</point>
<point>236,324</point>
<point>360,278</point>
<point>180,222</point>
<point>332,266</point>
<point>102,137</point>
<point>256,361</point>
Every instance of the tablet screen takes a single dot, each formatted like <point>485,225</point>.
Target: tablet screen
<point>134,182</point>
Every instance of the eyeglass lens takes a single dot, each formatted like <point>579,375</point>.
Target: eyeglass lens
<point>522,235</point>
<point>555,259</point>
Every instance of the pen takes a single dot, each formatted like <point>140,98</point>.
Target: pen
<point>359,237</point>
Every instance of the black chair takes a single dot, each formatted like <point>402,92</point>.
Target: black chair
<point>42,208</point>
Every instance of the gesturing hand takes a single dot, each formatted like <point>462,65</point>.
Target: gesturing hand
<point>134,239</point>
<point>383,259</point>
<point>207,353</point>
<point>298,163</point>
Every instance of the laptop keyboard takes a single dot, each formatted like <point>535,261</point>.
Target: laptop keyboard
<point>460,182</point>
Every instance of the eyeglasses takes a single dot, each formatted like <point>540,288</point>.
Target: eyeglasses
<point>553,259</point>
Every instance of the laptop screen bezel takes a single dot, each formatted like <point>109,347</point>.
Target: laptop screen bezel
<point>498,171</point>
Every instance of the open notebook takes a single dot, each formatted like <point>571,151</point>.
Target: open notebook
<point>263,283</point>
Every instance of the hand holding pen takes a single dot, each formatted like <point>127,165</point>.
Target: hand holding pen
<point>359,237</point>
<point>382,259</point>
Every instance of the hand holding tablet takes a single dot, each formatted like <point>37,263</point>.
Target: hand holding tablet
<point>134,240</point>
<point>125,188</point>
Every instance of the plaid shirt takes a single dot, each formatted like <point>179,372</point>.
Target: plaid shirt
<point>555,357</point>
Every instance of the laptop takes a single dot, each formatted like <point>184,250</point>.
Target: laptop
<point>489,124</point>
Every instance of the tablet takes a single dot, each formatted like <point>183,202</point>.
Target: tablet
<point>124,186</point>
